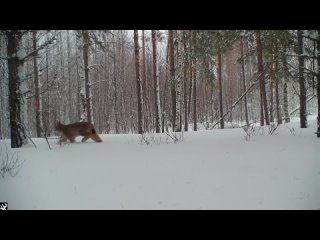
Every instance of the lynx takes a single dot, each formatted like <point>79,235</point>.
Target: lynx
<point>74,130</point>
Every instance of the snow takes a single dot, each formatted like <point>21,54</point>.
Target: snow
<point>214,169</point>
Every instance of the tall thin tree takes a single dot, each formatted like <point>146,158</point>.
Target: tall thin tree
<point>318,82</point>
<point>263,93</point>
<point>303,91</point>
<point>279,118</point>
<point>185,80</point>
<point>38,102</point>
<point>86,44</point>
<point>16,100</point>
<point>156,81</point>
<point>220,88</point>
<point>194,82</point>
<point>172,78</point>
<point>178,85</point>
<point>138,79</point>
<point>244,81</point>
<point>285,87</point>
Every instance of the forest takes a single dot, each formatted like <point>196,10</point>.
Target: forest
<point>155,81</point>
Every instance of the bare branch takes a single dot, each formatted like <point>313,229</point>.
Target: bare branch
<point>50,41</point>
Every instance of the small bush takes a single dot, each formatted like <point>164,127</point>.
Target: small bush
<point>272,129</point>
<point>250,131</point>
<point>292,130</point>
<point>149,139</point>
<point>174,137</point>
<point>152,138</point>
<point>10,163</point>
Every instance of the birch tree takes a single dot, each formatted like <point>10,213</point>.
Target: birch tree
<point>156,81</point>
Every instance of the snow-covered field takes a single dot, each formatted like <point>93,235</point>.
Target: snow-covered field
<point>215,169</point>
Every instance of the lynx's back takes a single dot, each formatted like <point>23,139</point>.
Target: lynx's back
<point>73,130</point>
<point>79,128</point>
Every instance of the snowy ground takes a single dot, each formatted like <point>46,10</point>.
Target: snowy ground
<point>215,169</point>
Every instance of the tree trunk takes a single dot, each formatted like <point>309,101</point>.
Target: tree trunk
<point>190,73</point>
<point>194,84</point>
<point>164,118</point>
<point>106,90</point>
<point>47,128</point>
<point>144,83</point>
<point>178,89</point>
<point>263,93</point>
<point>15,68</point>
<point>78,84</point>
<point>279,118</point>
<point>185,68</point>
<point>271,87</point>
<point>71,111</point>
<point>285,88</point>
<point>86,44</point>
<point>318,82</point>
<point>38,103</point>
<point>220,88</point>
<point>172,78</point>
<point>303,98</point>
<point>195,126</point>
<point>139,85</point>
<point>156,81</point>
<point>244,83</point>
<point>115,85</point>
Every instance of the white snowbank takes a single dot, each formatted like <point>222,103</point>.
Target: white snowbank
<point>215,169</point>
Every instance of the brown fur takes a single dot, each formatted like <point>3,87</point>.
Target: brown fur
<point>74,130</point>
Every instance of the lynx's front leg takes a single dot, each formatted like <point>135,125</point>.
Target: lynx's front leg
<point>85,138</point>
<point>63,138</point>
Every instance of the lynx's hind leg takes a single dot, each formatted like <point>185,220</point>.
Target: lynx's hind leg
<point>63,138</point>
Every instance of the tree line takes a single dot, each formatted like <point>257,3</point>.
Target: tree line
<point>155,81</point>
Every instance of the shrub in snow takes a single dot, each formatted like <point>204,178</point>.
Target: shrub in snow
<point>250,131</point>
<point>174,136</point>
<point>292,130</point>
<point>155,138</point>
<point>272,129</point>
<point>149,139</point>
<point>10,162</point>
